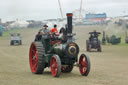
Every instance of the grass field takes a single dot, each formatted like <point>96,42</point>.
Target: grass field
<point>107,68</point>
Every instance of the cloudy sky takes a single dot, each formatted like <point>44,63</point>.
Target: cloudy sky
<point>46,9</point>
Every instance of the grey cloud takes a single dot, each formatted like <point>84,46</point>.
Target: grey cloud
<point>43,9</point>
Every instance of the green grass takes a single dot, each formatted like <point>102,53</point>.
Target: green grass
<point>7,33</point>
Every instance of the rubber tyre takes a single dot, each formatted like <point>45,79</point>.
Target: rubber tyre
<point>67,69</point>
<point>37,51</point>
<point>20,42</point>
<point>11,42</point>
<point>84,66</point>
<point>55,65</point>
<point>99,49</point>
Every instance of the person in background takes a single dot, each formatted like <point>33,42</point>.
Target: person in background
<point>93,34</point>
<point>96,34</point>
<point>54,30</point>
<point>62,30</point>
<point>1,30</point>
<point>38,36</point>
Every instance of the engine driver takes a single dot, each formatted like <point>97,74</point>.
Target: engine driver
<point>93,34</point>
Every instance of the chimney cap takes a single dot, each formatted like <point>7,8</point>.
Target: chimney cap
<point>69,14</point>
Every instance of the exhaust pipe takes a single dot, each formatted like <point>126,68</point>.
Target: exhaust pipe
<point>69,23</point>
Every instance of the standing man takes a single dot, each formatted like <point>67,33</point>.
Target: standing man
<point>45,30</point>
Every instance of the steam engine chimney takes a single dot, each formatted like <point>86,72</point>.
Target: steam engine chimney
<point>69,23</point>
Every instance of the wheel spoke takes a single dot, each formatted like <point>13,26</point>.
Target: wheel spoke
<point>36,60</point>
<point>56,70</point>
<point>84,64</point>
<point>33,51</point>
<point>36,54</point>
<point>33,61</point>
<point>84,69</point>
<point>35,66</point>
<point>55,65</point>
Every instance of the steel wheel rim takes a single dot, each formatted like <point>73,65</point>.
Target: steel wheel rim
<point>33,58</point>
<point>54,66</point>
<point>83,64</point>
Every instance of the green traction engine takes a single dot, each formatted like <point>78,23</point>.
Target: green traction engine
<point>60,54</point>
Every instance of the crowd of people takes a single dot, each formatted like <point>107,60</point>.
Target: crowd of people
<point>46,31</point>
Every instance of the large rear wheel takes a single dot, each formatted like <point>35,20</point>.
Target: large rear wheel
<point>84,65</point>
<point>36,58</point>
<point>55,65</point>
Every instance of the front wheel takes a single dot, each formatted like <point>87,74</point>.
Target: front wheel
<point>55,65</point>
<point>11,42</point>
<point>84,65</point>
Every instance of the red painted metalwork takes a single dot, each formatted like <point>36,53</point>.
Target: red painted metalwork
<point>33,58</point>
<point>97,19</point>
<point>54,66</point>
<point>70,15</point>
<point>83,64</point>
<point>55,42</point>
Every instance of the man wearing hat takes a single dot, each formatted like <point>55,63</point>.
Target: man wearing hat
<point>45,30</point>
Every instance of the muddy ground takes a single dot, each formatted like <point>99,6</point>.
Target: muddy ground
<point>109,67</point>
